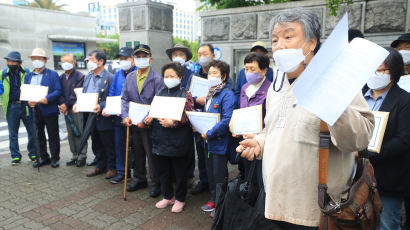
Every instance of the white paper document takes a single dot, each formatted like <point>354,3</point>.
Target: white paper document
<point>404,83</point>
<point>247,120</point>
<point>33,92</point>
<point>337,73</point>
<point>86,102</point>
<point>167,107</point>
<point>78,91</point>
<point>203,122</point>
<point>199,86</point>
<point>137,112</point>
<point>113,105</point>
<point>380,122</point>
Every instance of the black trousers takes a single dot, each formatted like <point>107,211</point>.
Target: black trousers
<point>178,167</point>
<point>217,170</point>
<point>103,146</point>
<point>142,149</point>
<point>51,124</point>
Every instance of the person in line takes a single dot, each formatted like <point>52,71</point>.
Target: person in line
<point>127,66</point>
<point>221,99</point>
<point>71,79</point>
<point>402,44</point>
<point>169,141</point>
<point>181,54</point>
<point>140,87</point>
<point>289,143</point>
<point>46,109</point>
<point>391,164</point>
<point>12,77</point>
<point>99,81</point>
<point>254,93</point>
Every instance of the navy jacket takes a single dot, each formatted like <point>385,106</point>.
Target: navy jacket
<point>52,80</point>
<point>103,123</point>
<point>219,137</point>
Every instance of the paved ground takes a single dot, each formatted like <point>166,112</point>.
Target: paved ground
<point>64,198</point>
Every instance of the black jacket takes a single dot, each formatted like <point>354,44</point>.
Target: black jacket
<point>172,142</point>
<point>68,96</point>
<point>392,164</point>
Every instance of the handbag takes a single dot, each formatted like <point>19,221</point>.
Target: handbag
<point>242,206</point>
<point>362,207</point>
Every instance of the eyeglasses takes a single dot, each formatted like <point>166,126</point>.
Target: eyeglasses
<point>381,72</point>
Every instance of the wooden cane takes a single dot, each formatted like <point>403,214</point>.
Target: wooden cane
<point>126,163</point>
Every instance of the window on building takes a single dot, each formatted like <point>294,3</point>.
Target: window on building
<point>128,44</point>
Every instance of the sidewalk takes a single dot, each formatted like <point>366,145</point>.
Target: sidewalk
<point>64,198</point>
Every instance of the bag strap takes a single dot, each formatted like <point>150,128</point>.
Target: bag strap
<point>324,145</point>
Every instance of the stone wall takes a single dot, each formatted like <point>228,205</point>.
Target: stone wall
<point>382,21</point>
<point>150,23</point>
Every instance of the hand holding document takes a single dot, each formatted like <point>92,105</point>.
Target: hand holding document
<point>199,86</point>
<point>86,102</point>
<point>404,83</point>
<point>247,120</point>
<point>380,122</point>
<point>167,107</point>
<point>337,73</point>
<point>33,92</point>
<point>203,122</point>
<point>113,105</point>
<point>137,112</point>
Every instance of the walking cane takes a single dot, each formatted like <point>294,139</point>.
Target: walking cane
<point>126,163</point>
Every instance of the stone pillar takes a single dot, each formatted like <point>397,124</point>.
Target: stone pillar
<point>147,22</point>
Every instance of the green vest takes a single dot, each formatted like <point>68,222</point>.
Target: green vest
<point>6,84</point>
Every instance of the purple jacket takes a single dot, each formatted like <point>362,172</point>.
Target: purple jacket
<point>258,98</point>
<point>152,85</point>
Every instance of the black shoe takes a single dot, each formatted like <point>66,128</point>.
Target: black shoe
<point>135,185</point>
<point>55,164</point>
<point>155,191</point>
<point>92,163</point>
<point>117,179</point>
<point>71,162</point>
<point>15,161</point>
<point>80,163</point>
<point>41,162</point>
<point>199,187</point>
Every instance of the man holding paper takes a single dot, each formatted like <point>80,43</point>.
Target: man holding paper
<point>99,81</point>
<point>46,109</point>
<point>70,80</point>
<point>127,66</point>
<point>289,143</point>
<point>140,87</point>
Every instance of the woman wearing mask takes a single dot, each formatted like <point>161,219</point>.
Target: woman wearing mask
<point>391,164</point>
<point>221,100</point>
<point>254,93</point>
<point>169,141</point>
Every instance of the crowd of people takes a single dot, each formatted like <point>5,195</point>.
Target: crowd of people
<point>286,149</point>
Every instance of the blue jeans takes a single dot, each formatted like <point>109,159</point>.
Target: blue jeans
<point>15,113</point>
<point>390,217</point>
<point>120,133</point>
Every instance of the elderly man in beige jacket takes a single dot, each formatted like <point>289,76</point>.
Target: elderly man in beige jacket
<point>289,143</point>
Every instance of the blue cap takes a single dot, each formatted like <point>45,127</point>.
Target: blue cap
<point>13,56</point>
<point>125,52</point>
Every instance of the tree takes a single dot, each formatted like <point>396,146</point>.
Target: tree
<point>332,5</point>
<point>192,45</point>
<point>47,4</point>
<point>112,48</point>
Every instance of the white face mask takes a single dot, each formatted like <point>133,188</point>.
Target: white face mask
<point>179,60</point>
<point>92,65</point>
<point>142,62</point>
<point>378,82</point>
<point>406,56</point>
<point>37,64</point>
<point>125,65</point>
<point>171,82</point>
<point>67,66</point>
<point>288,60</point>
<point>204,61</point>
<point>214,81</point>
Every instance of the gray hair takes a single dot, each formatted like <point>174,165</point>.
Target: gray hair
<point>308,20</point>
<point>69,54</point>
